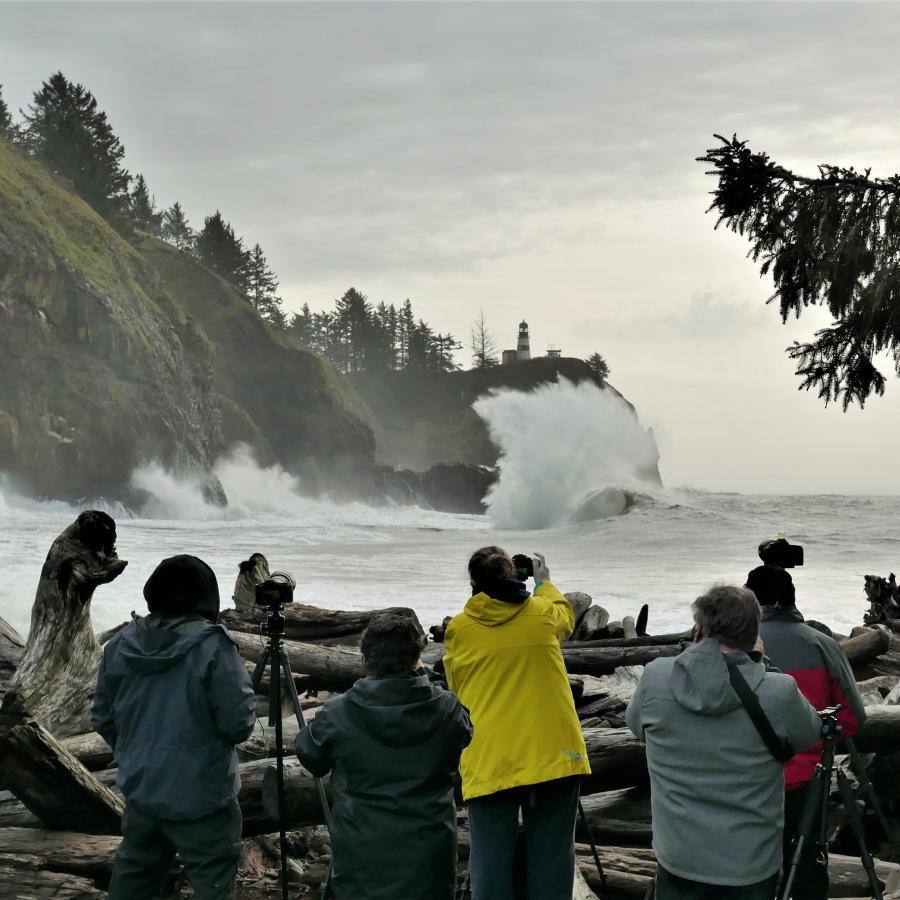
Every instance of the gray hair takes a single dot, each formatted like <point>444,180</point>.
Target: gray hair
<point>730,614</point>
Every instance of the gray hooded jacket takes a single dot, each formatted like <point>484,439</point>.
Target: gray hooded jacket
<point>717,793</point>
<point>173,698</point>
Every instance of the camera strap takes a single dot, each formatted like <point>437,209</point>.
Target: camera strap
<point>779,747</point>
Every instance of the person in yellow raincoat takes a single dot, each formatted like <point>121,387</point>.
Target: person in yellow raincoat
<point>505,664</point>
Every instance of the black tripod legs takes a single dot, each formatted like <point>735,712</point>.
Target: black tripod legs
<point>856,826</point>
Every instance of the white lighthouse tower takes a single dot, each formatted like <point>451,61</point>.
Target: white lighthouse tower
<point>523,351</point>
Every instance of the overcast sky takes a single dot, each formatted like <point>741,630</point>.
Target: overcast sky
<point>534,160</point>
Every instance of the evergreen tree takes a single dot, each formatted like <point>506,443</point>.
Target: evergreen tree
<point>142,207</point>
<point>303,327</point>
<point>6,125</point>
<point>176,230</point>
<point>222,251</point>
<point>598,366</point>
<point>831,241</point>
<point>262,289</point>
<point>484,347</point>
<point>65,129</point>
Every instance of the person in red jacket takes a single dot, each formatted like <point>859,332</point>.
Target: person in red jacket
<point>820,668</point>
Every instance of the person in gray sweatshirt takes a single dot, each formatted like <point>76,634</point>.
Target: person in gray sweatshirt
<point>717,791</point>
<point>173,699</point>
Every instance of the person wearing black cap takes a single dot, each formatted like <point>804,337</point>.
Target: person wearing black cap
<point>173,699</point>
<point>818,665</point>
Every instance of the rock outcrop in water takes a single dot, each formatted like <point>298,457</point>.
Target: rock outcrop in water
<point>426,418</point>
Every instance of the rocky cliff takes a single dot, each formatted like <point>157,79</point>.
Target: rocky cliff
<point>113,353</point>
<point>427,419</point>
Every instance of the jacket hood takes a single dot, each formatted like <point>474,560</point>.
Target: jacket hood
<point>782,614</point>
<point>155,643</point>
<point>700,682</point>
<point>400,710</point>
<point>485,610</point>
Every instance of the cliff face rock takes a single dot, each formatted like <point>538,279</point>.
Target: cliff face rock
<point>426,419</point>
<point>288,403</point>
<point>99,369</point>
<point>113,354</point>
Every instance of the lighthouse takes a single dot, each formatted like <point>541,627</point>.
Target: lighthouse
<point>523,350</point>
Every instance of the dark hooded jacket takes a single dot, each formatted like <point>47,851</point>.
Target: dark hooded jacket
<point>173,698</point>
<point>392,745</point>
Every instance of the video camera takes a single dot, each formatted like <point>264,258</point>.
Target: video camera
<point>275,591</point>
<point>780,553</point>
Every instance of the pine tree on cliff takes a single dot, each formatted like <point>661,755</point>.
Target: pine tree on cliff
<point>176,230</point>
<point>598,366</point>
<point>831,241</point>
<point>219,249</point>
<point>262,289</point>
<point>484,347</point>
<point>142,207</point>
<point>6,125</point>
<point>64,128</point>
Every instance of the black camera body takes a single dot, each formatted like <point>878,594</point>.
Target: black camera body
<point>275,591</point>
<point>780,553</point>
<point>524,566</point>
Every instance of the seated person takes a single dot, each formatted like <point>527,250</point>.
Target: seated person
<point>392,744</point>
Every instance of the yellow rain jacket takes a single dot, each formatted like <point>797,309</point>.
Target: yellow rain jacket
<point>505,664</point>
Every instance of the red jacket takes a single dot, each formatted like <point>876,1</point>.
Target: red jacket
<point>822,673</point>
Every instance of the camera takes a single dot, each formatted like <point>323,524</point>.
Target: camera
<point>275,591</point>
<point>524,566</point>
<point>780,553</point>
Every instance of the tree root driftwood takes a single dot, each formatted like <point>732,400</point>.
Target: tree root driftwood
<point>56,677</point>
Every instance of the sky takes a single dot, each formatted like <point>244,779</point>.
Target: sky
<point>532,160</point>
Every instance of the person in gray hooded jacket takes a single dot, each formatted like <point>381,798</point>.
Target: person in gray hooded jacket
<point>173,698</point>
<point>717,792</point>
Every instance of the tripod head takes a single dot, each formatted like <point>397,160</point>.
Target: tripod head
<point>272,595</point>
<point>831,728</point>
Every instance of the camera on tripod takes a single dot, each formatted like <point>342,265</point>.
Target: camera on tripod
<point>781,553</point>
<point>275,591</point>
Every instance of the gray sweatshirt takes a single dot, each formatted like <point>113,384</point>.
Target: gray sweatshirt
<point>717,793</point>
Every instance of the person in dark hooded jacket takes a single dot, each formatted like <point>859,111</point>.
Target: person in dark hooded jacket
<point>392,744</point>
<point>173,698</point>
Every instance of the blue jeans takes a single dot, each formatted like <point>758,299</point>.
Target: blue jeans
<point>548,815</point>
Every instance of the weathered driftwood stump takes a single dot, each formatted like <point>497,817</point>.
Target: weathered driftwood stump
<point>54,785</point>
<point>57,675</point>
<point>883,595</point>
<point>11,649</point>
<point>251,572</point>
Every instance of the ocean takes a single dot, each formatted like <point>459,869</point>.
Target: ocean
<point>663,552</point>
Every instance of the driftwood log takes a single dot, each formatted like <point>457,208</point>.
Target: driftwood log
<point>56,677</point>
<point>54,785</point>
<point>883,595</point>
<point>303,622</point>
<point>11,649</point>
<point>330,668</point>
<point>310,623</point>
<point>63,851</point>
<point>27,877</point>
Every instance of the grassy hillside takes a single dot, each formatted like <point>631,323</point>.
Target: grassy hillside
<point>113,353</point>
<point>99,369</point>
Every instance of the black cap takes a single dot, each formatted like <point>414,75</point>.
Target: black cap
<point>772,586</point>
<point>183,585</point>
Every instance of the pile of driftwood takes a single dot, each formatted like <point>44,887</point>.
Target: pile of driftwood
<point>60,814</point>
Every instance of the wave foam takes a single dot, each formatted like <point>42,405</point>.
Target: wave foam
<point>558,443</point>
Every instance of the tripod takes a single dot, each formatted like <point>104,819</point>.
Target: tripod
<point>593,843</point>
<point>273,656</point>
<point>817,805</point>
